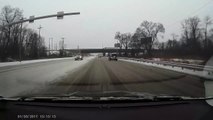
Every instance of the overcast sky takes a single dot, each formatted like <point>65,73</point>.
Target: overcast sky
<point>101,19</point>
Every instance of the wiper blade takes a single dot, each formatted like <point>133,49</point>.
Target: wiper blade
<point>8,99</point>
<point>168,98</point>
<point>105,96</point>
<point>59,98</point>
<point>44,98</point>
<point>179,98</point>
<point>73,98</point>
<point>77,98</point>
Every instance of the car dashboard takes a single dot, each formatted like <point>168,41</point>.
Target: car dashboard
<point>106,110</point>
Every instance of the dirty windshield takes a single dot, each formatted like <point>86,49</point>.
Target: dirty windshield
<point>106,48</point>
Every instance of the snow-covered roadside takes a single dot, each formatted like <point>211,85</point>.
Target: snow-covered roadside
<point>203,74</point>
<point>3,64</point>
<point>177,60</point>
<point>33,79</point>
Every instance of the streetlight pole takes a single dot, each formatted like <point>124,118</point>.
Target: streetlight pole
<point>59,15</point>
<point>39,28</point>
<point>117,47</point>
<point>56,46</point>
<point>63,45</point>
<point>52,43</point>
<point>49,46</point>
<point>20,42</point>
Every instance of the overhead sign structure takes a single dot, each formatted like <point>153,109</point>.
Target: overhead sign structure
<point>146,40</point>
<point>31,19</point>
<point>59,15</point>
<point>117,45</point>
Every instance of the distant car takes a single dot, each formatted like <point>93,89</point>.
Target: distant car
<point>79,57</point>
<point>99,56</point>
<point>113,56</point>
<point>10,59</point>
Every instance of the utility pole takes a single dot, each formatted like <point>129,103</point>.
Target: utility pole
<point>117,47</point>
<point>78,52</point>
<point>63,42</point>
<point>52,44</point>
<point>55,46</point>
<point>49,46</point>
<point>20,44</point>
<point>39,34</point>
<point>63,45</point>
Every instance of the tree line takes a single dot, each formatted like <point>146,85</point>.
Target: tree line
<point>195,41</point>
<point>17,41</point>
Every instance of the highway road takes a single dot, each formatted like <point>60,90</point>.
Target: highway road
<point>96,75</point>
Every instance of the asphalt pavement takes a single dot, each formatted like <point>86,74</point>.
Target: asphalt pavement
<point>97,75</point>
<point>100,75</point>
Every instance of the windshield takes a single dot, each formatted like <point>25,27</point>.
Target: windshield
<point>106,48</point>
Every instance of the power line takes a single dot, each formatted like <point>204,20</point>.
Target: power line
<point>201,7</point>
<point>192,13</point>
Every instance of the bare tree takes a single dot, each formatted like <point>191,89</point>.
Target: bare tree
<point>192,35</point>
<point>118,37</point>
<point>135,42</point>
<point>194,23</point>
<point>16,40</point>
<point>124,40</point>
<point>34,47</point>
<point>207,22</point>
<point>174,36</point>
<point>9,41</point>
<point>185,29</point>
<point>149,30</point>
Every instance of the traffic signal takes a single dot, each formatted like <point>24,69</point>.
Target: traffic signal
<point>31,19</point>
<point>60,15</point>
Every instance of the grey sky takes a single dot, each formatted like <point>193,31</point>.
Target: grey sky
<point>100,19</point>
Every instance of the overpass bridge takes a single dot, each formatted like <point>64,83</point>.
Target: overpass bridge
<point>103,50</point>
<point>98,50</point>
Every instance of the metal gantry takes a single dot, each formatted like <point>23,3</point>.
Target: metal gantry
<point>59,15</point>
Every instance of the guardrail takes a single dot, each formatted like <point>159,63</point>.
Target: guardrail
<point>208,69</point>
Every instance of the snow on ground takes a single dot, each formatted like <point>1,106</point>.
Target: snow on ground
<point>3,64</point>
<point>189,61</point>
<point>34,78</point>
<point>203,74</point>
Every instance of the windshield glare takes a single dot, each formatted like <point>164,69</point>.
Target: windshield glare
<point>114,49</point>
